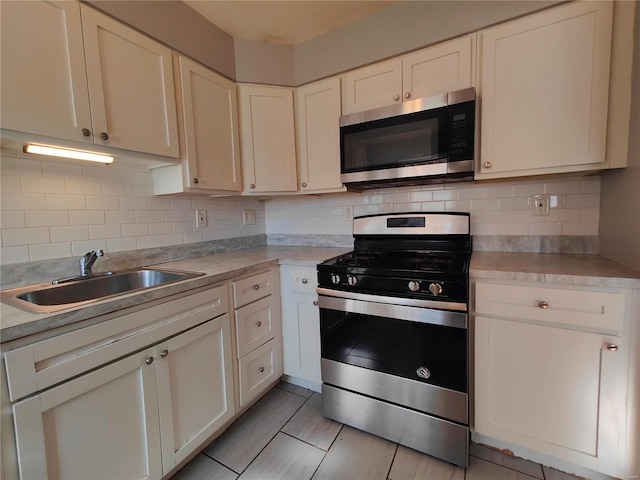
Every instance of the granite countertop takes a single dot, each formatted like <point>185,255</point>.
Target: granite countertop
<point>16,323</point>
<point>590,270</point>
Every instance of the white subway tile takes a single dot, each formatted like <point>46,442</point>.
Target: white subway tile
<point>499,191</point>
<point>47,219</point>
<point>514,203</point>
<point>193,237</point>
<point>23,201</point>
<point>59,169</point>
<point>146,216</point>
<point>117,189</point>
<point>102,203</point>
<point>42,185</point>
<point>82,187</point>
<point>591,185</point>
<point>513,229</point>
<point>98,232</point>
<point>182,227</point>
<point>180,204</point>
<point>12,219</point>
<point>171,216</point>
<point>132,176</point>
<point>432,207</point>
<point>563,215</point>
<point>585,200</point>
<point>442,195</point>
<point>102,173</point>
<point>49,251</point>
<point>133,203</point>
<point>66,202</point>
<point>160,228</point>
<point>135,230</point>
<point>82,247</point>
<point>527,189</point>
<point>545,228</point>
<point>10,184</point>
<point>457,206</point>
<point>120,216</point>
<point>142,190</point>
<point>122,244</point>
<point>69,234</point>
<point>159,204</point>
<point>20,166</point>
<point>589,229</point>
<point>172,239</point>
<point>566,187</point>
<point>485,229</point>
<point>590,215</point>
<point>87,217</point>
<point>13,237</point>
<point>421,196</point>
<point>484,204</point>
<point>472,193</point>
<point>151,241</point>
<point>10,255</point>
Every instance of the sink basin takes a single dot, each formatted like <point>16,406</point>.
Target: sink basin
<point>48,298</point>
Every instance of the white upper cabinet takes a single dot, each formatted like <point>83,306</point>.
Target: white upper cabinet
<point>48,96</point>
<point>544,87</point>
<point>95,80</point>
<point>445,67</point>
<point>209,134</point>
<point>130,76</point>
<point>318,134</point>
<point>267,134</point>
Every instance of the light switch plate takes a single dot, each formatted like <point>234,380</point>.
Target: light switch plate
<point>249,217</point>
<point>540,205</point>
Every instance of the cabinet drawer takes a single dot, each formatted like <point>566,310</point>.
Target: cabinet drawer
<point>259,369</point>
<point>43,364</point>
<point>589,309</point>
<point>300,280</point>
<point>254,325</point>
<point>253,288</point>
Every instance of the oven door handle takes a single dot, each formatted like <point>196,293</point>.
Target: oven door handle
<point>390,310</point>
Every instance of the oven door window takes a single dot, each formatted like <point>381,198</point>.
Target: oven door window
<point>427,353</point>
<point>411,139</point>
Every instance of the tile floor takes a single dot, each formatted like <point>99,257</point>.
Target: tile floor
<point>285,436</point>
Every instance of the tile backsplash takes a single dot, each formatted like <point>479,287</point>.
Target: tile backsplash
<point>59,209</point>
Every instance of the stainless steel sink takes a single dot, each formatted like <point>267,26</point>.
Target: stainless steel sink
<point>46,298</point>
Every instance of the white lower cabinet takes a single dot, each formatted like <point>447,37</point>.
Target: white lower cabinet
<point>301,326</point>
<point>258,337</point>
<point>136,417</point>
<point>551,372</point>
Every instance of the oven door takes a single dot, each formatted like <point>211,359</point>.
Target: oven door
<point>405,355</point>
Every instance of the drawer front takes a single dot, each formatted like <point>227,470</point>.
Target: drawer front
<point>259,369</point>
<point>590,309</point>
<point>42,364</point>
<point>255,325</point>
<point>253,288</point>
<point>300,280</point>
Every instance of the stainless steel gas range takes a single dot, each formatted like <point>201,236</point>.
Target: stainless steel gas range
<point>394,331</point>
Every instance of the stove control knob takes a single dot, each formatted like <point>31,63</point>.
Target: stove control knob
<point>335,279</point>
<point>351,280</point>
<point>435,288</point>
<point>414,286</point>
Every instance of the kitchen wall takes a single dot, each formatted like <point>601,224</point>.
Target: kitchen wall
<point>497,209</point>
<point>58,209</point>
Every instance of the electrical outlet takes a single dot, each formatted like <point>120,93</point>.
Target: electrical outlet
<point>201,219</point>
<point>540,205</point>
<point>249,217</point>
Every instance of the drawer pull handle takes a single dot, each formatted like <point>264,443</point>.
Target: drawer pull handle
<point>259,324</point>
<point>256,287</point>
<point>148,360</point>
<point>261,369</point>
<point>305,281</point>
<point>612,347</point>
<point>315,302</point>
<point>543,305</point>
<point>164,353</point>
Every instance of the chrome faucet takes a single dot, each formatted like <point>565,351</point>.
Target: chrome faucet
<point>88,260</point>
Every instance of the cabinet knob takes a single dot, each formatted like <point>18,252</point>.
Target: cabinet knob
<point>86,132</point>
<point>487,164</point>
<point>315,302</point>
<point>256,287</point>
<point>148,360</point>
<point>261,369</point>
<point>612,347</point>
<point>164,353</point>
<point>104,136</point>
<point>258,324</point>
<point>252,185</point>
<point>304,184</point>
<point>396,98</point>
<point>407,95</point>
<point>305,281</point>
<point>196,181</point>
<point>543,305</point>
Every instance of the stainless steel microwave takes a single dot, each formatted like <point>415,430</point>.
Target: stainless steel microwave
<point>429,140</point>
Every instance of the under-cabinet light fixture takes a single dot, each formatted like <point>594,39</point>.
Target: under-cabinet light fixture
<point>51,151</point>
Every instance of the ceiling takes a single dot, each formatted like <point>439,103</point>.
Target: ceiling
<point>283,22</point>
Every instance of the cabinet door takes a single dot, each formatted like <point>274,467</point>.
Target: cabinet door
<point>301,337</point>
<point>210,113</point>
<point>130,77</point>
<point>544,90</point>
<point>268,139</point>
<point>195,388</point>
<point>373,86</point>
<point>317,116</point>
<point>86,427</point>
<point>44,86</point>
<point>555,391</point>
<point>446,67</point>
